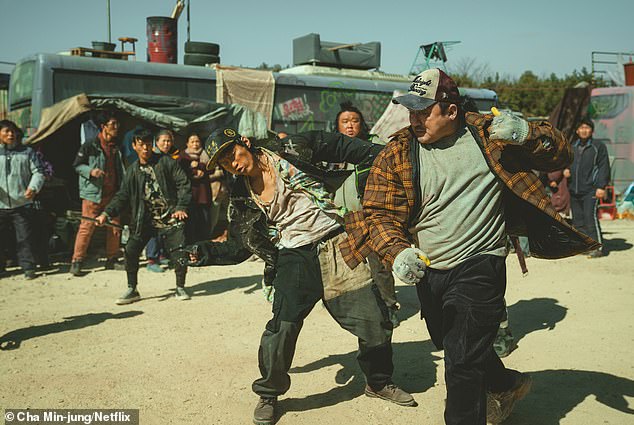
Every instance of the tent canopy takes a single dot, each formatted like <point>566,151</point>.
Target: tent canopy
<point>177,114</point>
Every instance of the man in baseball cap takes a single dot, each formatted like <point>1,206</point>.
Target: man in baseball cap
<point>443,182</point>
<point>429,122</point>
<point>218,142</point>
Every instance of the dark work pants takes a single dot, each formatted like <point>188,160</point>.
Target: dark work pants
<point>584,215</point>
<point>198,224</point>
<point>383,279</point>
<point>463,307</point>
<point>22,220</point>
<point>172,238</point>
<point>298,287</point>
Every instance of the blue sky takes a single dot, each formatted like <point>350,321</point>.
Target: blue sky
<point>507,37</point>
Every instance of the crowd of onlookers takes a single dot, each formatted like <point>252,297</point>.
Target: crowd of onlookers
<point>100,163</point>
<point>105,154</point>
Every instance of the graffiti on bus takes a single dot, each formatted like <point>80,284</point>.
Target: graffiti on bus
<point>317,108</point>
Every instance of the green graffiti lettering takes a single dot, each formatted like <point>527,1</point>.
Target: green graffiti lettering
<point>309,124</point>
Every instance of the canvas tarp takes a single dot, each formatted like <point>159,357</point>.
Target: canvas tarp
<point>393,119</point>
<point>179,115</point>
<point>54,117</point>
<point>251,88</point>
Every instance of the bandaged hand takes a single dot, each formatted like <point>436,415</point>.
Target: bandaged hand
<point>509,127</point>
<point>410,265</point>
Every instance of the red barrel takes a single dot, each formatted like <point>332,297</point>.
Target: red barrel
<point>629,74</point>
<point>162,39</point>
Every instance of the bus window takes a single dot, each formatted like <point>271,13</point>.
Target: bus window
<point>485,105</point>
<point>68,83</point>
<point>608,105</point>
<point>202,89</point>
<point>21,87</point>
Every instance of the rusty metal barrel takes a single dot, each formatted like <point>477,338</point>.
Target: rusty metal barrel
<point>162,39</point>
<point>629,74</point>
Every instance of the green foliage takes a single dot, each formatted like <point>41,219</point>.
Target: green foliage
<point>530,94</point>
<point>266,67</point>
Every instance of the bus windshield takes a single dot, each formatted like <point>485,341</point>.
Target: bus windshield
<point>21,86</point>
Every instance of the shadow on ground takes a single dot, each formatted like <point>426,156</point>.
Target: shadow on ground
<point>414,371</point>
<point>616,244</point>
<point>12,340</point>
<point>526,316</point>
<point>410,306</point>
<point>555,393</point>
<point>250,284</point>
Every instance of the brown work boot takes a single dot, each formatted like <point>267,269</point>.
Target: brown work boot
<point>500,405</point>
<point>392,393</point>
<point>264,413</point>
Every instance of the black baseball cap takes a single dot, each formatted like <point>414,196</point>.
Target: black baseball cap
<point>219,141</point>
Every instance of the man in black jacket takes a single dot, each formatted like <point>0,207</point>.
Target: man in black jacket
<point>588,176</point>
<point>158,192</point>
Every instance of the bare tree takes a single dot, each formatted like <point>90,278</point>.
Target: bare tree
<point>470,70</point>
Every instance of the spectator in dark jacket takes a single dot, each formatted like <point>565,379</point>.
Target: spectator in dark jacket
<point>154,251</point>
<point>157,192</point>
<point>588,176</point>
<point>21,178</point>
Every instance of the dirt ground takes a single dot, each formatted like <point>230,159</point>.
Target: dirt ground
<point>65,344</point>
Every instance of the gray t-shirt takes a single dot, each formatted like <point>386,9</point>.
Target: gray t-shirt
<point>298,220</point>
<point>462,212</point>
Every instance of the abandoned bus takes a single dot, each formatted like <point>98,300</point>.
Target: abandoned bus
<point>305,98</point>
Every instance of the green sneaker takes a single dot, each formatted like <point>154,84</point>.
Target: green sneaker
<point>130,296</point>
<point>182,294</point>
<point>153,267</point>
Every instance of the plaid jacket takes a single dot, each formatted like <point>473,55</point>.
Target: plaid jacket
<point>392,194</point>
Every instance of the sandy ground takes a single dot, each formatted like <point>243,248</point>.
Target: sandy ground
<point>65,344</point>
